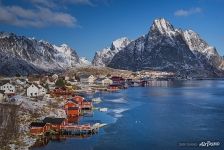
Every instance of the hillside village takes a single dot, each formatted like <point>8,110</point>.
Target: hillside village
<point>50,104</point>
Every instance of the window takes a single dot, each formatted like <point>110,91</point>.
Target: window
<point>31,94</point>
<point>35,93</point>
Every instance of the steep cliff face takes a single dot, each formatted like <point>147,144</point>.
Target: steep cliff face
<point>103,57</point>
<point>202,50</point>
<point>22,55</point>
<point>167,48</point>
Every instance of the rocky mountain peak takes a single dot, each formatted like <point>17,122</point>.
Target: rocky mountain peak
<point>169,49</point>
<point>83,61</point>
<point>104,56</point>
<point>23,55</point>
<point>162,26</point>
<point>120,43</point>
<point>64,45</point>
<point>6,34</point>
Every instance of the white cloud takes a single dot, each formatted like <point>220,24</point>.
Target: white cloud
<point>187,12</point>
<point>38,17</point>
<point>81,2</point>
<point>59,3</point>
<point>42,13</point>
<point>46,3</point>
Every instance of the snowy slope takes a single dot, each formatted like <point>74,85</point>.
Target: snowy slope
<point>22,55</point>
<point>84,62</point>
<point>103,57</point>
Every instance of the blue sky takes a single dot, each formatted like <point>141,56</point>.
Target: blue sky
<point>90,25</point>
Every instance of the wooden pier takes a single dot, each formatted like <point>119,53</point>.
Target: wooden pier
<point>80,129</point>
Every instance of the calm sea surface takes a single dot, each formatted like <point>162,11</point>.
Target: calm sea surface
<point>165,116</point>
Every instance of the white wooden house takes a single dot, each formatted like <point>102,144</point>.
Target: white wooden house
<point>104,81</point>
<point>36,90</point>
<point>87,79</point>
<point>8,88</point>
<point>67,78</point>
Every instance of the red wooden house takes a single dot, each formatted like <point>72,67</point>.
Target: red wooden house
<point>83,103</point>
<point>113,87</point>
<point>39,128</point>
<point>69,108</point>
<point>117,79</point>
<point>73,111</point>
<point>56,124</point>
<point>61,91</point>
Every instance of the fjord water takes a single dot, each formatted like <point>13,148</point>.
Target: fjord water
<point>158,117</point>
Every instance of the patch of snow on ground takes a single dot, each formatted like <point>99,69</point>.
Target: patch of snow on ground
<point>118,100</point>
<point>118,112</point>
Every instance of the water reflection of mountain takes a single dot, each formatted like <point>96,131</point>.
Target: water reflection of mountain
<point>155,83</point>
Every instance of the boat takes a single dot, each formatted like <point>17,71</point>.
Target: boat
<point>103,109</point>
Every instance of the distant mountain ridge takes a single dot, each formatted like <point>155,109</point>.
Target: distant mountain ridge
<point>169,49</point>
<point>163,48</point>
<point>103,57</point>
<point>21,55</point>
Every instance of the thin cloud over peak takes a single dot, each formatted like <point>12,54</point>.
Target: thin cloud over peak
<point>187,12</point>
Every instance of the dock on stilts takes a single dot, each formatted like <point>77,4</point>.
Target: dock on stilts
<point>81,129</point>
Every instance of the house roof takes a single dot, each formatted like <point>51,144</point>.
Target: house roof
<point>37,124</point>
<point>73,108</point>
<point>117,77</point>
<point>53,120</point>
<point>37,85</point>
<point>72,101</point>
<point>2,82</point>
<point>22,80</point>
<point>51,79</point>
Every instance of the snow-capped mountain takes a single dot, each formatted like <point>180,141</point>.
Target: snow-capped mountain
<point>103,57</point>
<point>167,48</point>
<point>22,55</point>
<point>84,62</point>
